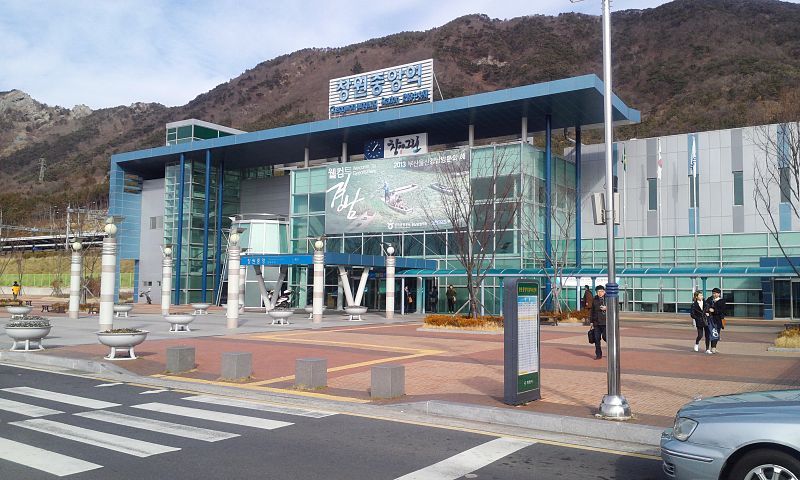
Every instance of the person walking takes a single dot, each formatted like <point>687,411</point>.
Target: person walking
<point>451,299</point>
<point>587,298</point>
<point>715,317</point>
<point>409,300</point>
<point>598,319</point>
<point>699,320</point>
<point>15,289</point>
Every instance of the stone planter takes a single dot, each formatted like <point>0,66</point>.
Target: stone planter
<point>179,322</point>
<point>122,310</point>
<point>310,311</point>
<point>355,313</point>
<point>122,341</point>
<point>200,308</point>
<point>18,311</point>
<point>280,317</point>
<point>27,335</point>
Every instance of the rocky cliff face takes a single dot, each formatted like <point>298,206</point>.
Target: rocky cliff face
<point>688,65</point>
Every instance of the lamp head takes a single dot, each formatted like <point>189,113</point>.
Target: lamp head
<point>167,251</point>
<point>110,229</point>
<point>77,246</point>
<point>390,250</point>
<point>319,245</point>
<point>234,238</point>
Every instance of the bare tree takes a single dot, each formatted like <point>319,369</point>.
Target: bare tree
<point>777,177</point>
<point>479,199</point>
<point>562,241</point>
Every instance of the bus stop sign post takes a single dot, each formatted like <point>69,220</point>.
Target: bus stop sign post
<point>522,358</point>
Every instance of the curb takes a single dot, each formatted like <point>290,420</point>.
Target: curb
<point>79,364</point>
<point>783,349</point>
<point>585,427</point>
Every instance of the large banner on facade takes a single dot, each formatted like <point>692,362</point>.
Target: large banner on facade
<point>396,194</point>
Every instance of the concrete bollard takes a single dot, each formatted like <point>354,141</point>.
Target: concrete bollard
<point>180,359</point>
<point>311,373</point>
<point>236,365</point>
<point>388,381</point>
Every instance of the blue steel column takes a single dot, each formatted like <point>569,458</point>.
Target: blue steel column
<point>179,243</point>
<point>548,191</point>
<point>548,209</point>
<point>218,269</point>
<point>206,200</point>
<point>578,197</point>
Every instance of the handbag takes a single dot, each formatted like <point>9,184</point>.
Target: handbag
<point>590,334</point>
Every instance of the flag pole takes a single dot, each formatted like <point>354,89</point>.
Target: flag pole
<point>660,234</point>
<point>624,221</point>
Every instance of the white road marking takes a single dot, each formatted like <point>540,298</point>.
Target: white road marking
<point>26,409</point>
<point>214,416</point>
<point>468,461</point>
<point>44,460</point>
<point>61,397</point>
<point>153,391</point>
<point>169,428</point>
<point>232,402</point>
<point>131,446</point>
<point>109,384</point>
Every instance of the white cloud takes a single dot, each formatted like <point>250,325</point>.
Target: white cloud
<point>107,53</point>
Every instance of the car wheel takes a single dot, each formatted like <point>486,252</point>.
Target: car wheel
<point>766,465</point>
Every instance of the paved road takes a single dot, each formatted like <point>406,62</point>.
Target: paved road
<point>63,425</point>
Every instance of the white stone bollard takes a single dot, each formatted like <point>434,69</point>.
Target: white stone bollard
<point>108,278</point>
<point>75,281</point>
<point>166,280</point>
<point>232,309</point>
<point>319,282</point>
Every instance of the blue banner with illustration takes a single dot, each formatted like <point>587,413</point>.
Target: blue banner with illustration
<point>396,194</point>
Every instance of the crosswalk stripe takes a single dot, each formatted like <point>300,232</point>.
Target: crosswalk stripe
<point>169,428</point>
<point>26,409</point>
<point>44,460</point>
<point>131,446</point>
<point>468,461</point>
<point>232,402</point>
<point>214,416</point>
<point>60,397</point>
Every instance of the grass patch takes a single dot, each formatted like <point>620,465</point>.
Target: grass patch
<point>789,338</point>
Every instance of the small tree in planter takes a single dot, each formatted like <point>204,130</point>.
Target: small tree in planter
<point>28,329</point>
<point>122,338</point>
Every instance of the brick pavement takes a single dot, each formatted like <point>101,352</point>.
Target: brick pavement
<point>660,370</point>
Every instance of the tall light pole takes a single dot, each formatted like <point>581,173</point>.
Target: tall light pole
<point>614,405</point>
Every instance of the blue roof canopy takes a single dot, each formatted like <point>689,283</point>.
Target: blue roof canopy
<point>576,101</point>
<point>334,258</point>
<point>777,271</point>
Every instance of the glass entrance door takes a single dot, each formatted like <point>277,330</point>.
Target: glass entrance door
<point>783,298</point>
<point>787,298</point>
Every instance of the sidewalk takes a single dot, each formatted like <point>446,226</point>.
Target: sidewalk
<point>660,371</point>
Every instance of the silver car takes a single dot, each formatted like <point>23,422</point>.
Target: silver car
<point>749,436</point>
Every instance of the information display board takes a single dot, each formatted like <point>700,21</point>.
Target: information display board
<point>522,355</point>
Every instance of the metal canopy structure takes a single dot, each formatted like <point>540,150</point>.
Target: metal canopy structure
<point>336,259</point>
<point>569,103</point>
<point>699,272</point>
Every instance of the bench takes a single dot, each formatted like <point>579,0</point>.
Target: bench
<point>29,303</point>
<point>548,320</point>
<point>93,309</point>
<point>45,308</point>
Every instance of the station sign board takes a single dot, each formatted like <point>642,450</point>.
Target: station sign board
<point>381,89</point>
<point>522,381</point>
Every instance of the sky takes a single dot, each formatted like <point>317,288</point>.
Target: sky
<point>105,53</point>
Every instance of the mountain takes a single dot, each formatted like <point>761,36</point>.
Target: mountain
<point>689,65</point>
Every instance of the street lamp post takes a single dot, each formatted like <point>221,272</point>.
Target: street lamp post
<point>319,283</point>
<point>614,405</point>
<point>391,262</point>
<point>108,276</point>
<point>232,311</point>
<point>166,280</point>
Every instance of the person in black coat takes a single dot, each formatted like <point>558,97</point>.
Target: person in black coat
<point>699,320</point>
<point>715,314</point>
<point>598,319</point>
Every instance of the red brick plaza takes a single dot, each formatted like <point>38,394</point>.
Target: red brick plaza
<point>660,370</point>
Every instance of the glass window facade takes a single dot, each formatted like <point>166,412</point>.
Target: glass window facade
<point>738,188</point>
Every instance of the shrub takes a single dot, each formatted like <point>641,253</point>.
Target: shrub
<point>30,321</point>
<point>123,330</point>
<point>460,321</point>
<point>789,338</point>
